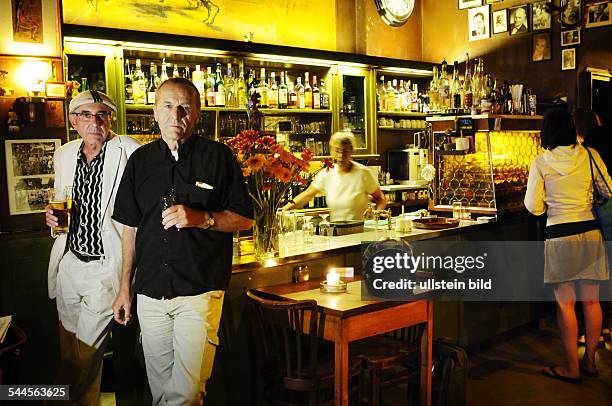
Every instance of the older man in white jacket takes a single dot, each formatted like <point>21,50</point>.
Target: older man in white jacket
<point>85,264</point>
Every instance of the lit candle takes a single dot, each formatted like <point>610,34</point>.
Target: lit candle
<point>333,278</point>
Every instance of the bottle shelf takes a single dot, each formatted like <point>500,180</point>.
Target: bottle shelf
<point>149,107</point>
<point>400,129</point>
<point>402,113</point>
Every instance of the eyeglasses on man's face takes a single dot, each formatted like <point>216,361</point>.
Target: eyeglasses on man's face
<point>89,116</point>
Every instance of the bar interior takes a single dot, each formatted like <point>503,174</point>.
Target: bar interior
<point>446,105</point>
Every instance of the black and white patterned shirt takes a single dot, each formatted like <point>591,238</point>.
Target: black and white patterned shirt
<point>86,216</point>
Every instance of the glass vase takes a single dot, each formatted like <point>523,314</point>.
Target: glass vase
<point>265,234</point>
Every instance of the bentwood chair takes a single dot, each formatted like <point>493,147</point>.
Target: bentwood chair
<point>390,359</point>
<point>288,355</point>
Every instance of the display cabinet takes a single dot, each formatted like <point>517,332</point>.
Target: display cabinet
<point>490,176</point>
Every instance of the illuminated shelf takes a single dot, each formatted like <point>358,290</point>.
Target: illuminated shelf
<point>400,129</point>
<point>149,107</point>
<point>401,113</point>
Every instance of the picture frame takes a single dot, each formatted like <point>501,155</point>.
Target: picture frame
<point>599,14</point>
<point>55,90</point>
<point>500,21</point>
<point>29,173</point>
<point>571,37</point>
<point>568,59</point>
<point>518,19</point>
<point>540,18</point>
<point>30,28</point>
<point>463,4</point>
<point>571,16</point>
<point>541,47</point>
<point>478,23</point>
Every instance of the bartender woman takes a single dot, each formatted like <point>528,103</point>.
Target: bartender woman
<point>348,187</point>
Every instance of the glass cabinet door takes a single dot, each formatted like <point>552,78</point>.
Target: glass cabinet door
<point>354,107</point>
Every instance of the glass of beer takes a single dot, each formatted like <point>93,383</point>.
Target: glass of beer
<point>61,206</point>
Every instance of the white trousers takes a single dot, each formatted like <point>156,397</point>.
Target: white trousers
<point>179,339</point>
<point>84,298</point>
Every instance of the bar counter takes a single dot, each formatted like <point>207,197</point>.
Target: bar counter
<point>292,253</point>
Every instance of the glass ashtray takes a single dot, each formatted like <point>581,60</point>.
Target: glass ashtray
<point>339,288</point>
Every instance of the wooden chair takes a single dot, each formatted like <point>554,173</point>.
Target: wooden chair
<point>390,359</point>
<point>288,355</point>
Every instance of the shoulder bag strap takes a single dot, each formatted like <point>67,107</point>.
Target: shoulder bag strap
<point>596,194</point>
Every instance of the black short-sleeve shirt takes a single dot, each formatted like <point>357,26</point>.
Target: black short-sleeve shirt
<point>189,261</point>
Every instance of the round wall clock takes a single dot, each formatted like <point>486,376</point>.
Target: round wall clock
<point>394,12</point>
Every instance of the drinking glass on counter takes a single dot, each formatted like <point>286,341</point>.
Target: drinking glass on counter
<point>61,206</point>
<point>457,209</point>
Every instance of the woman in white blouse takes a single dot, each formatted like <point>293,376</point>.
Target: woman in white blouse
<point>348,187</point>
<point>575,259</point>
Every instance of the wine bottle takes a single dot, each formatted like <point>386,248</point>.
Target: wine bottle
<point>129,90</point>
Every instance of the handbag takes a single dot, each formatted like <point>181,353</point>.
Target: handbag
<point>602,206</point>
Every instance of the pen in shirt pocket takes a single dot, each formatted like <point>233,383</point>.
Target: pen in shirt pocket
<point>203,185</point>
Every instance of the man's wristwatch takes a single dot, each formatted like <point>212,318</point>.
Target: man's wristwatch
<point>210,222</point>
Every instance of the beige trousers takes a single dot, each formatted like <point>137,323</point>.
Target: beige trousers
<point>84,298</point>
<point>179,339</point>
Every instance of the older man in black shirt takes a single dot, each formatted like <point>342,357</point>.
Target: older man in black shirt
<point>182,254</point>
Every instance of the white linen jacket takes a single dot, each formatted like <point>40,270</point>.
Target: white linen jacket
<point>118,150</point>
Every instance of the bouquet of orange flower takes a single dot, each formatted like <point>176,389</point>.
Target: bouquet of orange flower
<point>269,171</point>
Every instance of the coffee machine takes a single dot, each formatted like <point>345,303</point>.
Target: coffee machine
<point>405,165</point>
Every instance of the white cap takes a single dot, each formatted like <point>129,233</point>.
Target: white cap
<point>91,96</point>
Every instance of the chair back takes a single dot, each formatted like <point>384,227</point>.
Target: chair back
<point>287,335</point>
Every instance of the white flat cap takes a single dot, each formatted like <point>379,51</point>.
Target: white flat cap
<point>91,96</point>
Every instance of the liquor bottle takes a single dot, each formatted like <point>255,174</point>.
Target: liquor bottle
<point>476,85</point>
<point>409,96</point>
<point>324,96</point>
<point>251,82</point>
<point>401,92</point>
<point>210,87</point>
<point>416,101</point>
<point>273,92</point>
<point>230,87</point>
<point>152,84</point>
<point>434,95</point>
<point>390,94</point>
<point>381,98</point>
<point>293,97</point>
<point>299,89</point>
<point>307,92</point>
<point>84,85</point>
<point>467,87</point>
<point>316,94</point>
<point>242,89</point>
<point>396,96</point>
<point>175,72</point>
<point>140,85</point>
<point>262,89</point>
<point>129,90</point>
<point>444,88</point>
<point>197,77</point>
<point>219,87</point>
<point>187,74</point>
<point>456,87</point>
<point>164,72</point>
<point>282,93</point>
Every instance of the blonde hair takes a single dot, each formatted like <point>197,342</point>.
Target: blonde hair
<point>342,137</point>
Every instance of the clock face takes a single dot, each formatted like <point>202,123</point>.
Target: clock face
<point>394,12</point>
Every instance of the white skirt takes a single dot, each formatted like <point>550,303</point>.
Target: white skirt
<point>576,257</point>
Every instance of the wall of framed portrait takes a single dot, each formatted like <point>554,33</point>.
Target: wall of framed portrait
<point>524,42</point>
<point>27,151</point>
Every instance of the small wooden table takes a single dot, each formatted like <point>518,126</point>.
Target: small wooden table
<point>348,318</point>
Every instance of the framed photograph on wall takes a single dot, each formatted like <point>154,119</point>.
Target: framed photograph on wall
<point>500,21</point>
<point>29,173</point>
<point>568,59</point>
<point>478,23</point>
<point>518,19</point>
<point>469,4</point>
<point>540,18</point>
<point>541,47</point>
<point>572,13</point>
<point>571,37</point>
<point>30,27</point>
<point>598,14</point>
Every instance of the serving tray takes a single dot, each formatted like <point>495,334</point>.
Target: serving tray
<point>436,223</point>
